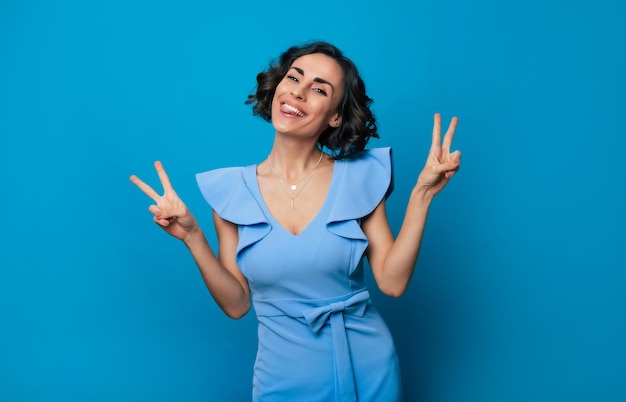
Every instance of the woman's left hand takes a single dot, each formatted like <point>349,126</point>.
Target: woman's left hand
<point>441,164</point>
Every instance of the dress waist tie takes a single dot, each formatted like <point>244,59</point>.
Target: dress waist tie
<point>317,313</point>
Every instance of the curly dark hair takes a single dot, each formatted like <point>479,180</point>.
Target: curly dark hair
<point>358,123</point>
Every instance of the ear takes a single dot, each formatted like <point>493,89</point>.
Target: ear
<point>335,120</point>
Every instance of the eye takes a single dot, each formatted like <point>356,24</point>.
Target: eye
<point>320,91</point>
<point>292,78</point>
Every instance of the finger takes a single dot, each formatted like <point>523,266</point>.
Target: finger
<point>447,139</point>
<point>451,173</point>
<point>447,166</point>
<point>435,160</point>
<point>160,213</point>
<point>455,156</point>
<point>443,168</point>
<point>436,131</point>
<point>147,190</point>
<point>165,180</point>
<point>155,210</point>
<point>161,222</point>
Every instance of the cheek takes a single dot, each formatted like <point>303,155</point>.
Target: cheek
<point>281,87</point>
<point>280,90</point>
<point>275,101</point>
<point>333,109</point>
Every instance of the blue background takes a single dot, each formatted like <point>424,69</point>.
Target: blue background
<point>520,289</point>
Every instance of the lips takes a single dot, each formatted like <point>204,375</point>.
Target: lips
<point>290,109</point>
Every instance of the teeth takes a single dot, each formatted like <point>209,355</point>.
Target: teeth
<point>293,110</point>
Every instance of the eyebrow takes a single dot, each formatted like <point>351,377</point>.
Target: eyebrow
<point>316,79</point>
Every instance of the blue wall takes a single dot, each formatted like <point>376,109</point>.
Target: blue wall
<point>519,293</point>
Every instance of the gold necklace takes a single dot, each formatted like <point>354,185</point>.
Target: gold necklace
<point>294,186</point>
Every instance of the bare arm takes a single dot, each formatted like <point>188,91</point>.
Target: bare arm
<point>221,275</point>
<point>393,261</point>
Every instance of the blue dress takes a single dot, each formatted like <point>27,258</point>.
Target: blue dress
<point>320,337</point>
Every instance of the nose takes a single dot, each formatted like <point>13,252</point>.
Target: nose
<point>296,93</point>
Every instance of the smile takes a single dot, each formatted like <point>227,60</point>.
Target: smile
<point>292,109</point>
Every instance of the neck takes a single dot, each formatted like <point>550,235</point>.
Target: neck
<point>294,158</point>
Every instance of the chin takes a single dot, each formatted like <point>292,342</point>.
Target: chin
<point>284,126</point>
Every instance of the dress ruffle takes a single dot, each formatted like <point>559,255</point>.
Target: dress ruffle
<point>228,194</point>
<point>363,182</point>
<point>367,180</point>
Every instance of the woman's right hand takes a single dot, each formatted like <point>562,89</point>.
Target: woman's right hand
<point>170,212</point>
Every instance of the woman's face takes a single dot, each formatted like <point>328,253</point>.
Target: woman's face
<point>307,99</point>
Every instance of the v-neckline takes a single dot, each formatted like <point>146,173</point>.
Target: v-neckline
<point>252,177</point>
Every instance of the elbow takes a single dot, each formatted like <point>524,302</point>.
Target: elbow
<point>236,312</point>
<point>393,291</point>
<point>395,294</point>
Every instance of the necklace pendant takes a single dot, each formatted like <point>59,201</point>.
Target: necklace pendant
<point>293,204</point>
<point>294,187</point>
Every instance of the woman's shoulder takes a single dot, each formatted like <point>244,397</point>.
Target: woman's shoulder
<point>220,176</point>
<point>370,163</point>
<point>373,153</point>
<point>228,192</point>
<point>366,180</point>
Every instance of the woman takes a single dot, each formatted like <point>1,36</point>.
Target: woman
<point>293,231</point>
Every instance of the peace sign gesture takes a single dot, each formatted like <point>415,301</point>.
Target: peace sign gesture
<point>169,212</point>
<point>441,164</point>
